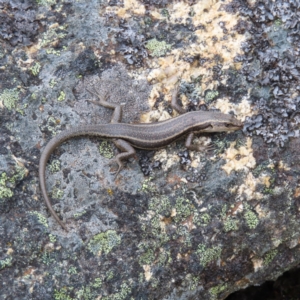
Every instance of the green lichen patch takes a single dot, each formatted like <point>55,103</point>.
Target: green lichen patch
<point>57,193</point>
<point>201,219</point>
<point>41,219</point>
<point>46,2</point>
<point>7,262</point>
<point>210,95</point>
<point>269,256</point>
<point>9,98</point>
<point>52,35</point>
<point>62,96</point>
<point>251,219</point>
<point>62,294</point>
<point>104,242</point>
<point>122,294</point>
<point>7,183</point>
<point>183,209</point>
<point>214,291</point>
<point>35,69</point>
<point>54,166</point>
<point>160,205</point>
<point>206,255</point>
<point>157,48</point>
<point>230,224</point>
<point>5,192</point>
<point>106,149</point>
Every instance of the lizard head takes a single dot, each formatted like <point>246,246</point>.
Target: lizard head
<point>223,122</point>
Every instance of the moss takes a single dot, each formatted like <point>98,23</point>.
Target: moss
<point>62,96</point>
<point>104,242</point>
<point>41,219</point>
<point>230,224</point>
<point>158,48</point>
<point>269,256</point>
<point>7,262</point>
<point>9,98</point>
<point>207,255</point>
<point>251,219</point>
<point>54,166</point>
<point>35,69</point>
<point>106,149</point>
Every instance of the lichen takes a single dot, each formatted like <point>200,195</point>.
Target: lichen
<point>7,262</point>
<point>251,219</point>
<point>41,219</point>
<point>104,242</point>
<point>57,193</point>
<point>5,192</point>
<point>183,209</point>
<point>125,289</point>
<point>214,291</point>
<point>158,48</point>
<point>230,224</point>
<point>53,35</point>
<point>269,256</point>
<point>210,96</point>
<point>201,219</point>
<point>206,255</point>
<point>62,96</point>
<point>54,166</point>
<point>9,97</point>
<point>106,149</point>
<point>62,294</point>
<point>35,69</point>
<point>46,2</point>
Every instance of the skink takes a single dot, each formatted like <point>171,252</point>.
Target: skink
<point>143,136</point>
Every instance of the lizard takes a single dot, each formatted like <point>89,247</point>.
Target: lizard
<point>147,136</point>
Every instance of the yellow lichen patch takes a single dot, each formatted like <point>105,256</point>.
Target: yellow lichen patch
<point>242,109</point>
<point>257,264</point>
<point>239,159</point>
<point>211,39</point>
<point>130,7</point>
<point>265,180</point>
<point>248,188</point>
<point>262,212</point>
<point>167,71</point>
<point>169,160</point>
<point>147,272</point>
<point>283,166</point>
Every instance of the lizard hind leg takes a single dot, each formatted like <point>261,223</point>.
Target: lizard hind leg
<point>127,152</point>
